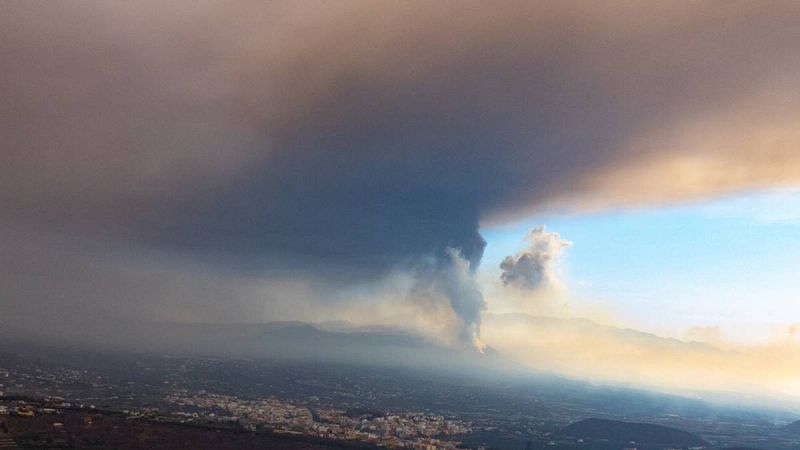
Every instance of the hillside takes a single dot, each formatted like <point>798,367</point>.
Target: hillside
<point>622,433</point>
<point>793,428</point>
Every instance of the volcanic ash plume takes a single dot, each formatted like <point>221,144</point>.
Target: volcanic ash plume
<point>450,280</point>
<point>459,285</point>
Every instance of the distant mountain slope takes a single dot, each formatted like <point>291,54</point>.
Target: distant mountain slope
<point>643,434</point>
<point>291,341</point>
<point>586,327</point>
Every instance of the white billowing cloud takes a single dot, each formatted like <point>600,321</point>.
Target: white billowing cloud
<point>533,267</point>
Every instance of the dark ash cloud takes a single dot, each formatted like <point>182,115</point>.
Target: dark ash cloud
<point>343,141</point>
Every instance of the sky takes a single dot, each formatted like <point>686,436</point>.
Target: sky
<point>439,167</point>
<point>729,263</point>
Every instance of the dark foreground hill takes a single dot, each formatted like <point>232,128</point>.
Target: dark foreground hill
<point>623,433</point>
<point>793,428</point>
<point>111,430</point>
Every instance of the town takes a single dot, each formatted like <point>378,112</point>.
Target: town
<point>400,429</point>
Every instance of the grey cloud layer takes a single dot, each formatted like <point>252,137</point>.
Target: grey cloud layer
<point>341,140</point>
